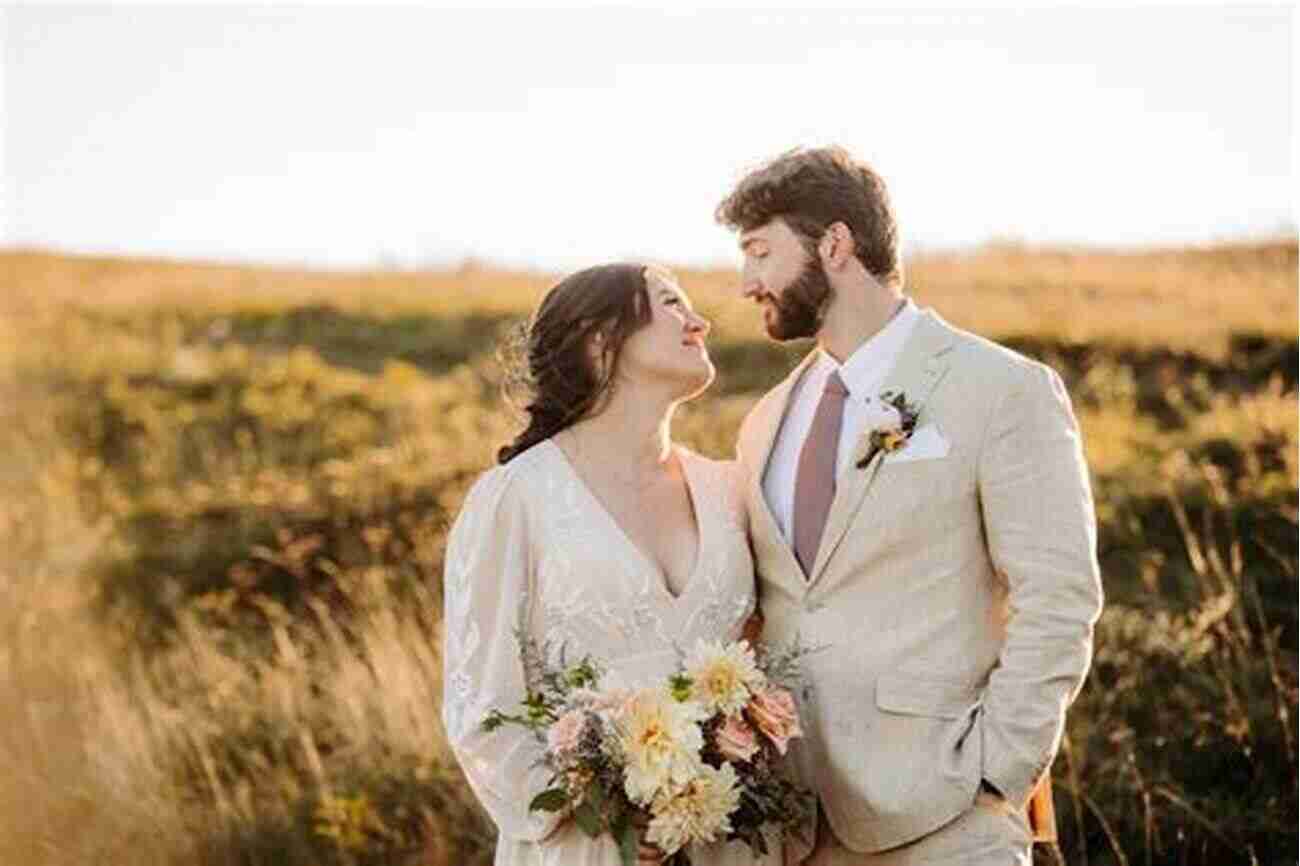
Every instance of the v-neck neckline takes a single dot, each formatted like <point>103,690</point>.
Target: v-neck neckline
<point>646,559</point>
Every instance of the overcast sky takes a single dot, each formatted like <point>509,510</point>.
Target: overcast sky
<point>357,136</point>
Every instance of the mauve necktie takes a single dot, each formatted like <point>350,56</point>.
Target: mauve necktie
<point>814,485</point>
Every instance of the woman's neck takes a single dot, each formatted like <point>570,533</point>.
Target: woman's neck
<point>632,432</point>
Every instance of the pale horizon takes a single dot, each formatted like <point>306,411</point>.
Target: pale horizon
<point>410,138</point>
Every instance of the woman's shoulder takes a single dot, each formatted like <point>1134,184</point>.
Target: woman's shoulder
<point>510,480</point>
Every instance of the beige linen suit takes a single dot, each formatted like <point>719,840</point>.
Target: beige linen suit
<point>955,591</point>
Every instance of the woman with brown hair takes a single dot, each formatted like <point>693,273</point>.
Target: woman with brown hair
<point>595,533</point>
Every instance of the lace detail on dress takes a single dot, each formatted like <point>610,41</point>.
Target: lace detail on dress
<point>620,607</point>
<point>531,550</point>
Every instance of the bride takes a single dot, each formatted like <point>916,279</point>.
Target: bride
<point>596,533</point>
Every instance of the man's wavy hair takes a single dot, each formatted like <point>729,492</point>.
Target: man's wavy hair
<point>812,188</point>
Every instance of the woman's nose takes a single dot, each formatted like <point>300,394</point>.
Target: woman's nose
<point>697,324</point>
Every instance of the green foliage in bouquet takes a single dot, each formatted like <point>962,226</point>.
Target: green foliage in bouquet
<point>711,711</point>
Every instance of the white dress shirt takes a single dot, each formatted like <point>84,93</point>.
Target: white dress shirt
<point>864,373</point>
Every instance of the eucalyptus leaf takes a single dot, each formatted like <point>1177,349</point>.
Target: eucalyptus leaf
<point>550,800</point>
<point>616,813</point>
<point>628,846</point>
<point>588,820</point>
<point>596,796</point>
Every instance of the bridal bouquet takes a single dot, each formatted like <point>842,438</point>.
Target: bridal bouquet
<point>693,759</point>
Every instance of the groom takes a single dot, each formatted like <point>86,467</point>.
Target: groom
<point>919,505</point>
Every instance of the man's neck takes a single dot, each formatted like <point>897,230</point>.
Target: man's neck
<point>847,326</point>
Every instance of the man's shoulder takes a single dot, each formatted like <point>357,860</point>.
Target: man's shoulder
<point>990,361</point>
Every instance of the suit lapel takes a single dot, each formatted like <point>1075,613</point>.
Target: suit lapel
<point>772,421</point>
<point>920,367</point>
<point>776,417</point>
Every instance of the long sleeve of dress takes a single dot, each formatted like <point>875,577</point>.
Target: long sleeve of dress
<point>487,598</point>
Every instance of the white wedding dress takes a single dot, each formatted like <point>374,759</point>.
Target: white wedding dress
<point>533,548</point>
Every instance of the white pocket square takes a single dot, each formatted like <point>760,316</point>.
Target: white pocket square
<point>925,443</point>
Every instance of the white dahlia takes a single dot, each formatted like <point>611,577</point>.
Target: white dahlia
<point>699,812</point>
<point>661,741</point>
<point>723,677</point>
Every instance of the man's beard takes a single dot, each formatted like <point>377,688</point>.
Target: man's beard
<point>799,310</point>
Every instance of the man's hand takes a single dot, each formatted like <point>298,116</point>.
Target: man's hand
<point>993,801</point>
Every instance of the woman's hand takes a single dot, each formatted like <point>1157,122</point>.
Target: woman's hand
<point>558,829</point>
<point>647,854</point>
<point>752,630</point>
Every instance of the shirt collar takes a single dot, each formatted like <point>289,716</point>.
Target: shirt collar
<point>867,367</point>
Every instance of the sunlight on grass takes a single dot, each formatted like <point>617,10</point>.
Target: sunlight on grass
<point>224,493</point>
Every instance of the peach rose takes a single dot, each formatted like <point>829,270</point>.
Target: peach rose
<point>565,732</point>
<point>736,739</point>
<point>773,712</point>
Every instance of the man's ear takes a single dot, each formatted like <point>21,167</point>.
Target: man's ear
<point>836,246</point>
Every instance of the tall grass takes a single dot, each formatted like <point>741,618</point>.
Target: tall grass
<point>224,493</point>
<point>84,777</point>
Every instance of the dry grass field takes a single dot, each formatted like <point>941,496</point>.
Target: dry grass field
<point>224,493</point>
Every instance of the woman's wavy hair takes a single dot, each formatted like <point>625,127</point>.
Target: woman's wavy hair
<point>549,371</point>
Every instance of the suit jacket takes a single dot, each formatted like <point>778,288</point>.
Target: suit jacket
<point>955,591</point>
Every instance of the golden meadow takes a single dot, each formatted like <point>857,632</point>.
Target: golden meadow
<point>224,493</point>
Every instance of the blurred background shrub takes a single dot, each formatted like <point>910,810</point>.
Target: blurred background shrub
<point>224,493</point>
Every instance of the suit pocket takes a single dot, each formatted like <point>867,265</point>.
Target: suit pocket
<point>926,443</point>
<point>920,696</point>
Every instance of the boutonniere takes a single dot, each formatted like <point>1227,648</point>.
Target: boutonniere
<point>895,421</point>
